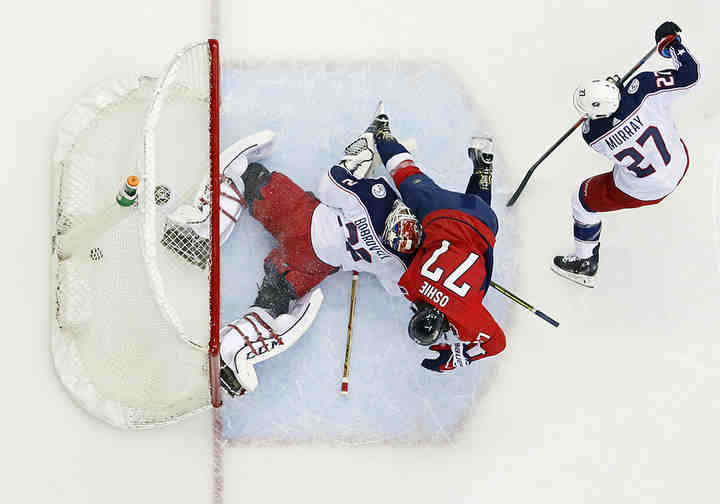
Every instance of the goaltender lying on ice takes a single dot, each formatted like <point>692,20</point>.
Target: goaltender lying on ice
<point>356,223</point>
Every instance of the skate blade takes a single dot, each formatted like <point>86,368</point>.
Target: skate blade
<point>380,110</point>
<point>481,149</point>
<point>482,143</point>
<point>583,280</point>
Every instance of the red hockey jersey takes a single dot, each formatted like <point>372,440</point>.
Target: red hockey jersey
<point>449,273</point>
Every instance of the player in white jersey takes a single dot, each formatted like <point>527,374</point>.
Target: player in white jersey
<point>355,223</point>
<point>348,227</point>
<point>632,127</point>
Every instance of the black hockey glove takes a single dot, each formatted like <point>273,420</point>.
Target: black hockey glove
<point>665,29</point>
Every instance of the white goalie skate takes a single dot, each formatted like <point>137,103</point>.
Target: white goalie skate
<point>258,336</point>
<point>187,230</point>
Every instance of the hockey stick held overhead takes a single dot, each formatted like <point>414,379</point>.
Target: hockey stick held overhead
<point>640,63</point>
<point>554,146</point>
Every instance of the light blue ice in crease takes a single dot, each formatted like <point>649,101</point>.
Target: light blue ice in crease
<point>315,110</point>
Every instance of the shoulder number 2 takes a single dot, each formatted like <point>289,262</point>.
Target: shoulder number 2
<point>450,282</point>
<point>664,78</point>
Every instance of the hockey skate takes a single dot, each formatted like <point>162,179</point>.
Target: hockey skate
<point>481,154</point>
<point>579,270</point>
<point>380,126</point>
<point>229,382</point>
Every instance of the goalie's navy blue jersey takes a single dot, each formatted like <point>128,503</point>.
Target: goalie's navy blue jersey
<point>347,228</point>
<point>376,195</point>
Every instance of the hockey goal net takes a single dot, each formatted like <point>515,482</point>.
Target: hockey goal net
<point>135,295</point>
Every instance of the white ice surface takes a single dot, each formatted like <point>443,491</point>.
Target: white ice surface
<point>317,109</point>
<point>617,405</point>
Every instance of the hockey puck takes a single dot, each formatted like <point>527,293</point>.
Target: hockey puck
<point>163,194</point>
<point>96,254</point>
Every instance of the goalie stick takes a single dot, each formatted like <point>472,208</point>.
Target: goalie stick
<point>346,367</point>
<point>529,173</point>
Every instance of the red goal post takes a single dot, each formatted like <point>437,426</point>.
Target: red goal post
<point>214,344</point>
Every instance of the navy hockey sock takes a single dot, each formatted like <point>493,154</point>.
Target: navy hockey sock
<point>389,148</point>
<point>586,237</point>
<point>473,187</point>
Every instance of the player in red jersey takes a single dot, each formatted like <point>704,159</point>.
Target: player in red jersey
<point>451,271</point>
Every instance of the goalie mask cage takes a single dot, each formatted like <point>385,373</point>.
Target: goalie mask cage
<point>135,321</point>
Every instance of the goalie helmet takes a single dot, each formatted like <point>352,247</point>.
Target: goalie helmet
<point>402,230</point>
<point>427,324</point>
<point>596,98</point>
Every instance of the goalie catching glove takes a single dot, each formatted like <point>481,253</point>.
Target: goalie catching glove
<point>187,229</point>
<point>259,336</point>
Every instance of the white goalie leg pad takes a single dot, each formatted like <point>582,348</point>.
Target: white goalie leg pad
<point>233,162</point>
<point>258,336</point>
<point>232,201</point>
<point>187,229</point>
<point>254,147</point>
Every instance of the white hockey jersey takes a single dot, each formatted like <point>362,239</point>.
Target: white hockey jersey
<point>346,229</point>
<point>640,138</point>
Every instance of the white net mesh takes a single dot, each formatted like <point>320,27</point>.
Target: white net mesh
<point>167,251</point>
<point>125,303</point>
